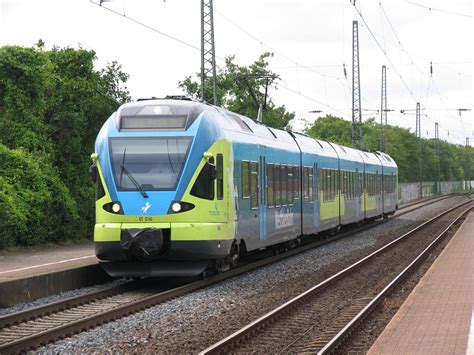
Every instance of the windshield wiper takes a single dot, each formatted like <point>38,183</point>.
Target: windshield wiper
<point>132,179</point>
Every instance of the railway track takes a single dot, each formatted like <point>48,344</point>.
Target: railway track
<point>306,323</point>
<point>38,326</point>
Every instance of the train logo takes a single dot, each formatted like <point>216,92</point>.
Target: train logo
<point>146,207</point>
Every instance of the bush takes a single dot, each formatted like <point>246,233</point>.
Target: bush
<point>35,206</point>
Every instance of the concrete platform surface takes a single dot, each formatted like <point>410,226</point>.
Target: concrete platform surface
<point>438,317</point>
<point>19,264</point>
<point>31,274</point>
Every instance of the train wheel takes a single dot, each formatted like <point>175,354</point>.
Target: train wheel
<point>234,254</point>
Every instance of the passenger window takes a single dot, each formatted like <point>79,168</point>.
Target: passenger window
<point>284,180</point>
<point>204,185</point>
<point>310,184</point>
<point>245,179</point>
<point>254,184</point>
<point>277,185</point>
<point>271,186</point>
<point>290,187</point>
<point>305,182</point>
<point>296,178</point>
<point>220,177</point>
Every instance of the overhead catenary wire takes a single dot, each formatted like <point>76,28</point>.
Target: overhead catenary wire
<point>430,8</point>
<point>392,65</point>
<point>160,32</point>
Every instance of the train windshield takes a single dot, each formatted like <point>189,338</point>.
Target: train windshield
<point>154,163</point>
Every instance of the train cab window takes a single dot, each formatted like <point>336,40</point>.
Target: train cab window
<point>271,186</point>
<point>245,179</point>
<point>220,176</point>
<point>204,185</point>
<point>310,184</point>
<point>253,184</point>
<point>290,187</point>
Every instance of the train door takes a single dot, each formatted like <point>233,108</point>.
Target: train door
<point>262,195</point>
<point>316,195</point>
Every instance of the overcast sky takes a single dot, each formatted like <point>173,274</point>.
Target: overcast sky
<point>311,39</point>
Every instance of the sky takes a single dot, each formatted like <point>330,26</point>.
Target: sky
<point>158,44</point>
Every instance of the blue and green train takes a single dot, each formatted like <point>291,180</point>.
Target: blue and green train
<point>183,187</point>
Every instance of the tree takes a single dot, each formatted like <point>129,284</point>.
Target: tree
<point>408,150</point>
<point>238,88</point>
<point>52,105</point>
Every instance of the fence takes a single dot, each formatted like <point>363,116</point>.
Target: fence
<point>410,191</point>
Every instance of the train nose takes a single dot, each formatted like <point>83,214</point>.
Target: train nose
<point>145,244</point>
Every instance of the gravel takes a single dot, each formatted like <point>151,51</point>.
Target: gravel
<point>188,323</point>
<point>59,297</point>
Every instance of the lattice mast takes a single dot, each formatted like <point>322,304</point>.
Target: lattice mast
<point>356,107</point>
<point>438,174</point>
<point>418,135</point>
<point>383,111</point>
<point>467,167</point>
<point>208,55</point>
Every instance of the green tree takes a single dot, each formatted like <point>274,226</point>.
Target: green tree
<point>409,151</point>
<point>52,105</point>
<point>233,83</point>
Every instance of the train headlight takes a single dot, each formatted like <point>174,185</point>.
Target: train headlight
<point>179,207</point>
<point>116,207</point>
<point>176,207</point>
<point>113,207</point>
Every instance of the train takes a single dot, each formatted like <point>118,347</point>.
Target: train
<point>184,187</point>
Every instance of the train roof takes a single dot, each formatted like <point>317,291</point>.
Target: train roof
<point>182,112</point>
<point>243,129</point>
<point>386,159</point>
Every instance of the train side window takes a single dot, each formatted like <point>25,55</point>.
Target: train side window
<point>310,184</point>
<point>350,187</point>
<point>296,182</point>
<point>329,184</point>
<point>271,186</point>
<point>204,186</point>
<point>324,172</point>
<point>245,179</point>
<point>220,177</point>
<point>343,182</point>
<point>290,187</point>
<point>284,185</point>
<point>333,184</point>
<point>348,184</point>
<point>277,185</point>
<point>254,185</point>
<point>305,183</point>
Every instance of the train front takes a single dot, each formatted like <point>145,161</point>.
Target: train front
<point>163,203</point>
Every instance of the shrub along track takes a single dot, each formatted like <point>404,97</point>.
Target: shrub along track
<point>320,318</point>
<point>30,328</point>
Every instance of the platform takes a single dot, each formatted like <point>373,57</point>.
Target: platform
<point>438,317</point>
<point>26,275</point>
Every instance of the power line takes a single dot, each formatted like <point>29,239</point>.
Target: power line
<point>176,39</point>
<point>439,10</point>
<point>385,53</point>
<point>261,42</point>
<point>309,98</point>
